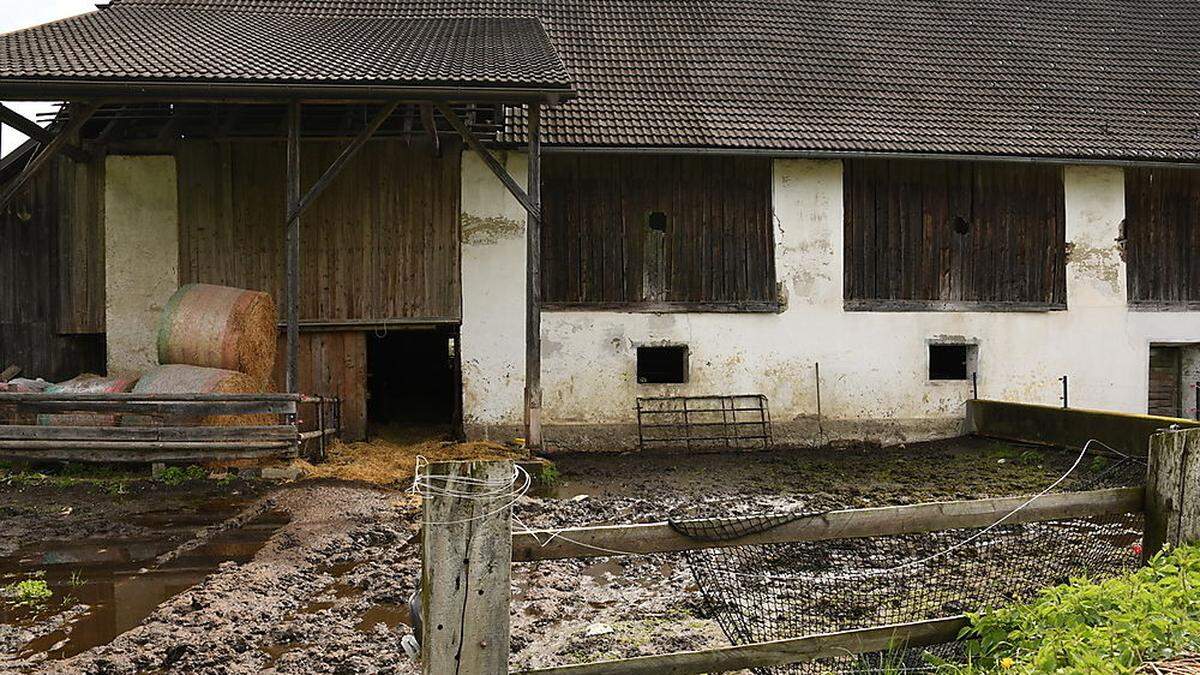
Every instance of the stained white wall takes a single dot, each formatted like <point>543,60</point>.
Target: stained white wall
<point>873,364</point>
<point>141,265</point>
<point>493,287</point>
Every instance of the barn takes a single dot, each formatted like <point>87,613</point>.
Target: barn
<point>498,215</point>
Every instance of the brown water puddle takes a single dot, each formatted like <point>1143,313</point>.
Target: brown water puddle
<point>116,580</point>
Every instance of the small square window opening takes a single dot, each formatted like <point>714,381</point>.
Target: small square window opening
<point>662,365</point>
<point>951,361</point>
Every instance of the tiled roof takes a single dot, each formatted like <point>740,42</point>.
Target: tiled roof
<point>1102,79</point>
<point>180,44</point>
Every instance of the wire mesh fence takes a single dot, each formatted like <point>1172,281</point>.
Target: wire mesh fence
<point>778,591</point>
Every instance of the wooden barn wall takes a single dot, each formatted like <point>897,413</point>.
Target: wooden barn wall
<point>597,247</point>
<point>1162,236</point>
<point>332,363</point>
<point>46,305</point>
<point>944,235</point>
<point>381,243</point>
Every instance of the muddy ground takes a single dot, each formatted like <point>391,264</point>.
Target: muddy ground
<point>326,591</point>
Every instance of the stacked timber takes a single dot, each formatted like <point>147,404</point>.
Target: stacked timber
<point>230,329</point>
<point>87,383</point>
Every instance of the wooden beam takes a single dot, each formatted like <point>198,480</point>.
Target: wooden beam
<point>776,652</point>
<point>79,117</point>
<point>343,159</point>
<point>593,542</point>
<point>39,133</point>
<point>489,159</point>
<point>430,125</point>
<point>37,432</point>
<point>292,249</point>
<point>533,288</point>
<point>146,456</point>
<point>465,573</point>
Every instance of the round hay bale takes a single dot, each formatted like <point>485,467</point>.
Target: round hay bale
<point>87,383</point>
<point>220,327</point>
<point>185,379</point>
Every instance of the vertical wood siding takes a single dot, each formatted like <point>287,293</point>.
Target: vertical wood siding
<point>1162,236</point>
<point>381,243</point>
<point>717,247</point>
<point>80,205</point>
<point>30,284</point>
<point>905,245</point>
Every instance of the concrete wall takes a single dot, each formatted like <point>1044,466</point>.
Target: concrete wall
<point>873,364</point>
<point>141,241</point>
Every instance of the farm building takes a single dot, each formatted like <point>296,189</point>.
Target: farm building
<point>860,211</point>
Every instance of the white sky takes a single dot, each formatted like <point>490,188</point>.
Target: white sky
<point>16,14</point>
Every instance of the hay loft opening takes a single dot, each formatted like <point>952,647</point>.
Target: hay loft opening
<point>951,361</point>
<point>411,378</point>
<point>662,364</point>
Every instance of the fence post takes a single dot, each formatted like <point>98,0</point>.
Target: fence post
<point>466,559</point>
<point>1172,490</point>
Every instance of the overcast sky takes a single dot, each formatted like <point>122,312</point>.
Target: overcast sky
<point>23,14</point>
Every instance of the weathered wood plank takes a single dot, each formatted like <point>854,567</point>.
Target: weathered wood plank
<point>14,432</point>
<point>776,652</point>
<point>465,574</point>
<point>189,408</point>
<point>592,542</point>
<point>178,456</point>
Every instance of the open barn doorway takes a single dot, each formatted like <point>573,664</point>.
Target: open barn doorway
<point>414,382</point>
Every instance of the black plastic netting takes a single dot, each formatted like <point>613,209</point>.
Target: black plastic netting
<point>778,591</point>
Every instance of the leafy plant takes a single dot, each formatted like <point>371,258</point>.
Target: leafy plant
<point>1111,626</point>
<point>28,592</point>
<point>1100,463</point>
<point>549,475</point>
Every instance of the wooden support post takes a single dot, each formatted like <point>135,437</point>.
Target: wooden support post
<point>79,117</point>
<point>1172,490</point>
<point>533,283</point>
<point>351,150</point>
<point>488,158</point>
<point>292,249</point>
<point>466,554</point>
<point>39,133</point>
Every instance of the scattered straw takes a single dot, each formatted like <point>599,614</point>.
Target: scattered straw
<point>1182,665</point>
<point>391,457</point>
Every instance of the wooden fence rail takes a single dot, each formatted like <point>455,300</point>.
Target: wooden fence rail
<point>163,427</point>
<point>593,542</point>
<point>775,652</point>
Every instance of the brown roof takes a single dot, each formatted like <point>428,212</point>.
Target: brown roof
<point>175,44</point>
<point>1102,79</point>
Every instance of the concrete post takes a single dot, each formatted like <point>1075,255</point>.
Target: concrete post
<point>1172,491</point>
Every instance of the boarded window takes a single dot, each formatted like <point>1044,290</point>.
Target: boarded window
<point>954,235</point>
<point>1162,230</point>
<point>630,230</point>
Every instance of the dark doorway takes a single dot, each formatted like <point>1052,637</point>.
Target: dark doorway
<point>413,379</point>
<point>1165,382</point>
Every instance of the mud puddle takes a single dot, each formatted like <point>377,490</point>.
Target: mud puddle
<point>104,587</point>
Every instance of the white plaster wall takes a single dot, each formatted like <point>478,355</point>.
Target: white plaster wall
<point>141,243</point>
<point>873,364</point>
<point>493,283</point>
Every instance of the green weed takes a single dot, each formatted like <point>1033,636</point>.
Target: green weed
<point>28,592</point>
<point>549,475</point>
<point>1107,627</point>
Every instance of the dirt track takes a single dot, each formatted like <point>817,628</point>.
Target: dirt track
<point>325,594</point>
